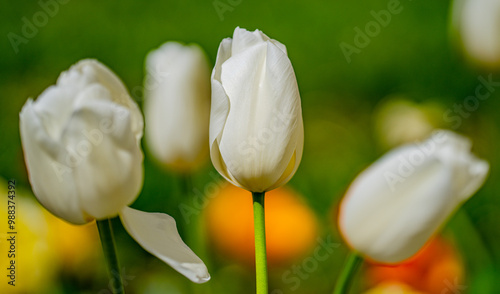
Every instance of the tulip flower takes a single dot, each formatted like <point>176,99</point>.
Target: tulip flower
<point>81,142</point>
<point>177,105</point>
<point>394,207</point>
<point>256,129</point>
<point>476,23</point>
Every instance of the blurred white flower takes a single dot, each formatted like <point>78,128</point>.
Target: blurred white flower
<point>256,129</point>
<point>177,105</point>
<point>478,25</point>
<point>393,207</point>
<point>81,141</point>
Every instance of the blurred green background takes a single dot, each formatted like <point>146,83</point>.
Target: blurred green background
<point>413,57</point>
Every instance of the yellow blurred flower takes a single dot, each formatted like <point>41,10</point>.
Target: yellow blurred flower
<point>35,260</point>
<point>44,246</point>
<point>291,226</point>
<point>399,120</point>
<point>77,246</point>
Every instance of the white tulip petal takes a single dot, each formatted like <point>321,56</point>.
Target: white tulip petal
<point>50,180</point>
<point>476,173</point>
<point>96,72</point>
<point>244,39</point>
<point>295,160</point>
<point>219,108</point>
<point>394,207</point>
<point>157,234</point>
<point>99,132</point>
<point>281,46</point>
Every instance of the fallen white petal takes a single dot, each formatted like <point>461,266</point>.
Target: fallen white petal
<point>157,234</point>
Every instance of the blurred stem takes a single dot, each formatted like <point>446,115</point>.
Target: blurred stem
<point>108,246</point>
<point>260,242</point>
<point>185,194</point>
<point>482,258</point>
<point>350,269</point>
<point>194,237</point>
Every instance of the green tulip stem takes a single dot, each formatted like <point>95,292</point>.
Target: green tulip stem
<point>351,266</point>
<point>108,246</point>
<point>260,242</point>
<point>194,236</point>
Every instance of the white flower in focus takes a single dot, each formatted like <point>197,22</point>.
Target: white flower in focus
<point>256,129</point>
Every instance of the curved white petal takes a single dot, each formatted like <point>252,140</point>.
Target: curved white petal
<point>244,39</point>
<point>51,181</point>
<point>96,72</point>
<point>177,104</point>
<point>219,108</point>
<point>393,207</point>
<point>157,234</point>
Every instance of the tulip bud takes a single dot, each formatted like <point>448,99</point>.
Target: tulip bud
<point>177,105</point>
<point>477,24</point>
<point>81,144</point>
<point>256,129</point>
<point>394,207</point>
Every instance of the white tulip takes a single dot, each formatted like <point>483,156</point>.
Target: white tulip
<point>395,206</point>
<point>81,142</point>
<point>478,24</point>
<point>256,129</point>
<point>177,105</point>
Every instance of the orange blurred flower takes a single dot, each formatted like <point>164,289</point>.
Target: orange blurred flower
<point>291,226</point>
<point>393,288</point>
<point>436,269</point>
